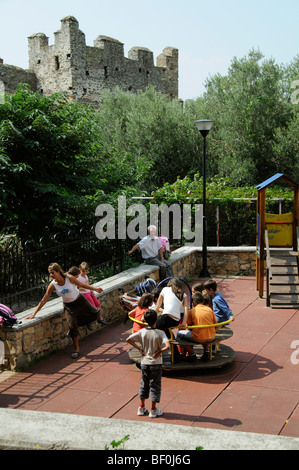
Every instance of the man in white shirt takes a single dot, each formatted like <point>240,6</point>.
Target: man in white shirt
<point>152,253</point>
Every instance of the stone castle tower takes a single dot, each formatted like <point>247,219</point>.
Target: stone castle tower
<point>83,72</point>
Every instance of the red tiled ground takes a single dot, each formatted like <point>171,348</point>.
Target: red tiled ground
<point>258,392</point>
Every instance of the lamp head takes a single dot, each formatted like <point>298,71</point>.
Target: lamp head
<point>204,126</point>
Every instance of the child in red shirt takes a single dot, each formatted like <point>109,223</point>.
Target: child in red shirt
<point>145,302</point>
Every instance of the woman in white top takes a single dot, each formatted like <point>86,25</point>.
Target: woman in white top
<point>173,299</point>
<point>77,308</point>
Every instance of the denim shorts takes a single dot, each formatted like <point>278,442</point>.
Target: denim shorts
<point>151,376</point>
<point>185,335</point>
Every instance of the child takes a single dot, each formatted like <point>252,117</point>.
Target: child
<point>220,307</point>
<point>200,314</point>
<point>174,300</point>
<point>75,271</point>
<point>207,299</point>
<point>166,247</point>
<point>78,310</point>
<point>83,271</point>
<point>198,287</point>
<point>145,302</point>
<point>151,349</point>
<point>84,268</point>
<point>156,292</point>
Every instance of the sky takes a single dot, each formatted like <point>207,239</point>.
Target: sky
<point>208,34</point>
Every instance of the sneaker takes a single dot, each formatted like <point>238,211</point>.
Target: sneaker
<point>191,358</point>
<point>141,411</point>
<point>155,413</point>
<point>89,326</point>
<point>176,354</point>
<point>102,322</point>
<point>205,357</point>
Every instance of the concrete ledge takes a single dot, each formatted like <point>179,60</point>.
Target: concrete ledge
<point>33,430</point>
<point>130,276</point>
<point>48,331</point>
<point>230,249</point>
<point>54,307</point>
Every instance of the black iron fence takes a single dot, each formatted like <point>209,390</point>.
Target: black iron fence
<point>24,273</point>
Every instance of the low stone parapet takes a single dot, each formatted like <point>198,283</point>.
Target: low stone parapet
<point>236,261</point>
<point>33,339</point>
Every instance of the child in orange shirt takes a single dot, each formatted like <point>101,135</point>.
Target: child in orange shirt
<point>145,302</point>
<point>200,314</point>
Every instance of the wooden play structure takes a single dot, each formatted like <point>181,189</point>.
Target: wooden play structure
<point>277,249</point>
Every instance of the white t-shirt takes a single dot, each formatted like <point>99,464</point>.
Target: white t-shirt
<point>149,248</point>
<point>69,292</point>
<point>172,305</point>
<point>85,280</point>
<point>151,340</point>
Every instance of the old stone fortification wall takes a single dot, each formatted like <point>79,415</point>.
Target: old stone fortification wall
<point>11,76</point>
<point>48,331</point>
<point>83,72</point>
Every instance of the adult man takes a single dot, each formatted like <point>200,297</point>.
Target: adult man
<point>152,253</point>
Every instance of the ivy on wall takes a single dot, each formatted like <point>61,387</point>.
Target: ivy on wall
<point>236,206</point>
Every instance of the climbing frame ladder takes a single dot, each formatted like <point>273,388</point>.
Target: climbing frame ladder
<point>282,277</point>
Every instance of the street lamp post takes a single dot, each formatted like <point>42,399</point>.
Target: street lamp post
<point>204,126</point>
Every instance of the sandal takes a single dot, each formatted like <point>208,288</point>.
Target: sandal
<point>75,355</point>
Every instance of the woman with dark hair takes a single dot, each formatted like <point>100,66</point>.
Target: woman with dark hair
<point>79,311</point>
<point>174,300</point>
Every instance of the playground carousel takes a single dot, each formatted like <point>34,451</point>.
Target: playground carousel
<point>219,353</point>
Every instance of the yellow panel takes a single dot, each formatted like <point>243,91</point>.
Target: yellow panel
<point>280,229</point>
<point>280,218</point>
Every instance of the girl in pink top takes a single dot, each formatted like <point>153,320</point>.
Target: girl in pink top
<point>83,277</point>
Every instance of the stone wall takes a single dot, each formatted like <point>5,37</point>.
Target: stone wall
<point>232,261</point>
<point>11,76</point>
<point>48,331</point>
<point>82,72</point>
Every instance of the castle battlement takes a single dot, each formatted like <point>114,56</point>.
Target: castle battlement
<point>83,72</point>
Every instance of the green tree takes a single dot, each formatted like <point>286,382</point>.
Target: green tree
<point>153,128</point>
<point>59,160</point>
<point>50,152</point>
<point>248,106</point>
<point>286,148</point>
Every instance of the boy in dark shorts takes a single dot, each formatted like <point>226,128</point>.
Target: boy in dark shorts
<point>151,343</point>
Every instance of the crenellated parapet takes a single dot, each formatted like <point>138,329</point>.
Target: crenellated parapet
<point>83,72</point>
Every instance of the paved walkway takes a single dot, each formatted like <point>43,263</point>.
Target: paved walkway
<point>257,393</point>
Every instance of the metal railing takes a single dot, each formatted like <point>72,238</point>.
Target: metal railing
<point>24,273</point>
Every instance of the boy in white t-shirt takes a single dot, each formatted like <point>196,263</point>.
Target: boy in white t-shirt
<point>149,341</point>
